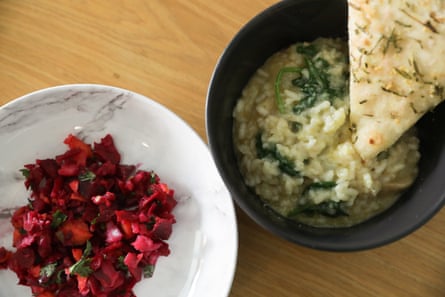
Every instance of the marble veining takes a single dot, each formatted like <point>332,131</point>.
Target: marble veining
<point>28,112</point>
<point>104,114</point>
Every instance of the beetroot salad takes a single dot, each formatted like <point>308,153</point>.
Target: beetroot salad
<point>92,227</point>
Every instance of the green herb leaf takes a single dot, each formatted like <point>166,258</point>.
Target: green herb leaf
<point>48,270</point>
<point>120,264</point>
<point>149,270</point>
<point>60,276</point>
<point>58,218</point>
<point>25,172</point>
<point>318,74</point>
<point>278,98</point>
<point>87,176</point>
<point>403,73</point>
<point>391,41</point>
<point>307,50</point>
<point>153,177</point>
<point>94,221</point>
<point>83,267</point>
<point>88,249</point>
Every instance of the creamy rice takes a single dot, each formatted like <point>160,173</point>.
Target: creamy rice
<point>295,147</point>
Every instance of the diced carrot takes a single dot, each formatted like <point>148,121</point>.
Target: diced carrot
<point>35,271</point>
<point>75,143</point>
<point>78,197</point>
<point>74,185</point>
<point>126,228</point>
<point>75,232</point>
<point>77,254</point>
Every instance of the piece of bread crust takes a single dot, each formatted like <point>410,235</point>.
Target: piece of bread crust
<point>397,58</point>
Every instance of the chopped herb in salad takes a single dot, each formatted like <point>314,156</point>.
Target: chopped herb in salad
<point>93,226</point>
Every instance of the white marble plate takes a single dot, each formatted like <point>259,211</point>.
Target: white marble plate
<point>204,240</point>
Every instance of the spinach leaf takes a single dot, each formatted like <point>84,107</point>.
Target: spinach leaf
<point>305,103</point>
<point>295,126</point>
<point>316,83</point>
<point>307,49</point>
<point>270,151</point>
<point>328,208</point>
<point>321,185</point>
<point>313,85</point>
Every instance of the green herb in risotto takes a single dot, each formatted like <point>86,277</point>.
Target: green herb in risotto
<point>294,141</point>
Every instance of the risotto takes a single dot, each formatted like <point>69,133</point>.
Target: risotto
<point>294,141</point>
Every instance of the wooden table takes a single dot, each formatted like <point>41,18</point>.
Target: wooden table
<point>166,50</point>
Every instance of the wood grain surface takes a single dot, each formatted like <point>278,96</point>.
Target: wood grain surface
<point>167,50</point>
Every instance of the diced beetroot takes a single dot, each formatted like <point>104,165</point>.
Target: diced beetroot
<point>69,169</point>
<point>32,220</point>
<point>57,187</point>
<point>22,259</point>
<point>44,245</point>
<point>107,168</point>
<point>109,277</point>
<point>49,166</point>
<point>25,241</point>
<point>35,177</point>
<point>126,171</point>
<point>106,150</point>
<point>106,199</point>
<point>5,255</point>
<point>132,261</point>
<point>145,244</point>
<point>162,228</point>
<point>92,225</point>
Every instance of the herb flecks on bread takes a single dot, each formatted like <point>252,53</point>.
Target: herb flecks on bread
<point>397,57</point>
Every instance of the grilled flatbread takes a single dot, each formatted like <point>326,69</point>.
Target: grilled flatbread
<point>397,57</point>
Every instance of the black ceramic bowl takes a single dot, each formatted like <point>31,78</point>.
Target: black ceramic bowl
<point>285,23</point>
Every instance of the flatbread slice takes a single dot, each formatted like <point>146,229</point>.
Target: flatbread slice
<point>397,58</point>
